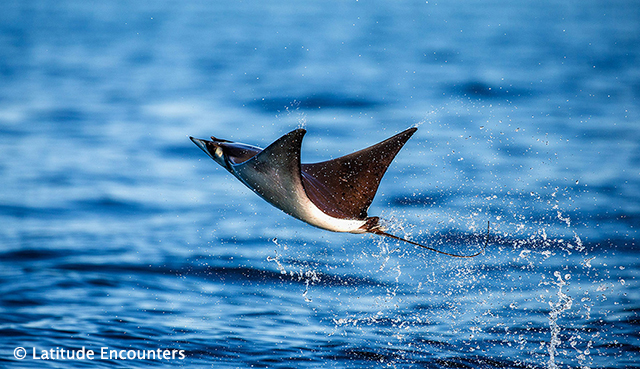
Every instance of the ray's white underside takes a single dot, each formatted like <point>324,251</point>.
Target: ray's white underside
<point>291,198</point>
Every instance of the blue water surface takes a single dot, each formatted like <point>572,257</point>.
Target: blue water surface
<point>118,233</point>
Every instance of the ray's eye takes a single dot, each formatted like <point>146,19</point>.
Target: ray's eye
<point>218,152</point>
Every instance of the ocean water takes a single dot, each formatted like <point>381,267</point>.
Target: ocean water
<point>118,234</point>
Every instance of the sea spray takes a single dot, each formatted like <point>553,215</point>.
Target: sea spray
<point>564,303</point>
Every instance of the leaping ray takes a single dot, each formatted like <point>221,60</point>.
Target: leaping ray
<point>333,195</point>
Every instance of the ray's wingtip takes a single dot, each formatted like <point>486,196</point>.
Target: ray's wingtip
<point>298,133</point>
<point>409,131</point>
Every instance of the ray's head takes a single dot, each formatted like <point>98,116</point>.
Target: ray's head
<point>224,152</point>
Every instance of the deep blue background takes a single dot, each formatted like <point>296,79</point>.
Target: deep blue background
<point>116,231</point>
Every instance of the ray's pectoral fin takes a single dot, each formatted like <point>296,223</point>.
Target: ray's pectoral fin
<point>274,173</point>
<point>345,187</point>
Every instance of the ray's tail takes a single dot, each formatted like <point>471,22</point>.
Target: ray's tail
<point>378,231</point>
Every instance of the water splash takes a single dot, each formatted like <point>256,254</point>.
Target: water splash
<point>308,276</point>
<point>564,303</point>
<point>301,116</point>
<point>276,258</point>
